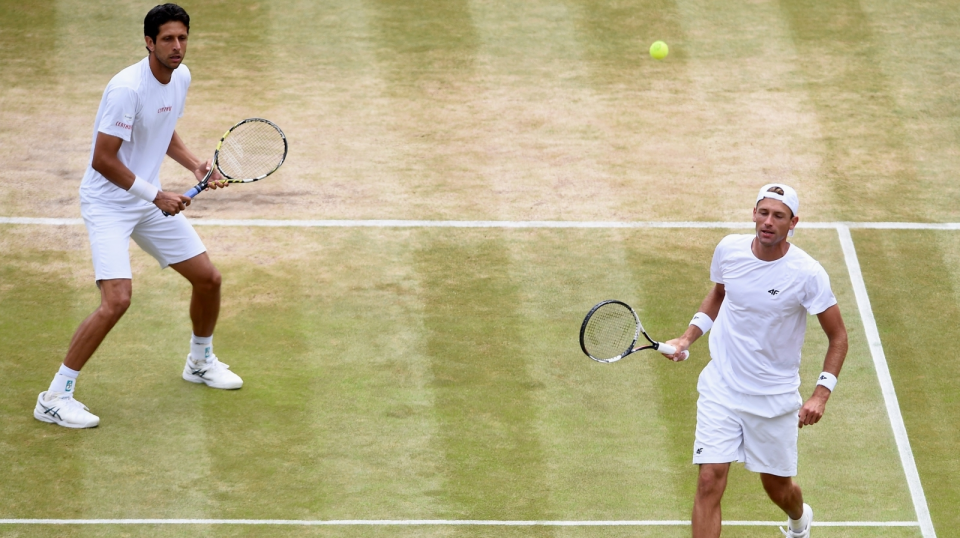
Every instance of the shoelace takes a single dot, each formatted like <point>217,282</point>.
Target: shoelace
<point>213,363</point>
<point>70,403</point>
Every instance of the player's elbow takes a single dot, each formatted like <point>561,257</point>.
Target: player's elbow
<point>101,163</point>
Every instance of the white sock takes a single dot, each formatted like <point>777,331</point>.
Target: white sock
<point>796,524</point>
<point>65,381</point>
<point>201,347</point>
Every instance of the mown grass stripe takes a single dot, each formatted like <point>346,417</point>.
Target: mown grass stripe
<point>886,383</point>
<point>276,223</point>
<point>451,522</point>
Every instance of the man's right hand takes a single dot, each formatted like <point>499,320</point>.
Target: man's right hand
<point>171,202</point>
<point>682,346</point>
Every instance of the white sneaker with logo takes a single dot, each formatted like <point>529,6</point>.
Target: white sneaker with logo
<point>212,373</point>
<point>60,408</point>
<point>806,519</point>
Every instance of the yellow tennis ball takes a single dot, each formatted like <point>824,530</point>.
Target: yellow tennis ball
<point>659,50</point>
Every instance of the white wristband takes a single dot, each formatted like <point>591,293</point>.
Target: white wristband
<point>827,380</point>
<point>702,321</point>
<point>143,189</point>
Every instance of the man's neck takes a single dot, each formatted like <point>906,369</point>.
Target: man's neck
<point>160,72</point>
<point>771,253</point>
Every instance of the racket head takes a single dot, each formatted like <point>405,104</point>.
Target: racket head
<point>250,151</point>
<point>609,331</point>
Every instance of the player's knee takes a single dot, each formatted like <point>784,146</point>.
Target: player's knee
<point>779,489</point>
<point>711,481</point>
<point>115,305</point>
<point>210,282</point>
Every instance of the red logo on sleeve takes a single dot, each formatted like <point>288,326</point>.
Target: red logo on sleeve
<point>124,125</point>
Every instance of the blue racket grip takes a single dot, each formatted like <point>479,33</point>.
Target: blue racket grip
<point>189,194</point>
<point>194,191</point>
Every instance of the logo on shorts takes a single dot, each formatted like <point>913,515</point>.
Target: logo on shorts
<point>773,292</point>
<point>700,450</point>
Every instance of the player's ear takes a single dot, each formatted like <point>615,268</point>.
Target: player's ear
<point>149,42</point>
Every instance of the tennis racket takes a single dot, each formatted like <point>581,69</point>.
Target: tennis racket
<point>611,330</point>
<point>249,151</point>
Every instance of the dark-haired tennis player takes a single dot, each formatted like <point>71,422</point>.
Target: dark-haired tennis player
<point>121,198</point>
<point>750,406</point>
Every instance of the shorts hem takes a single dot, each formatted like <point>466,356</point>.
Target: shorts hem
<point>706,461</point>
<point>164,265</point>
<point>785,473</point>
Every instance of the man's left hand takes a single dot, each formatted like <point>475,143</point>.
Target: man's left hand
<point>216,180</point>
<point>812,410</point>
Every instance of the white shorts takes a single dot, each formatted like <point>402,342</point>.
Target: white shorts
<point>168,239</point>
<point>760,431</point>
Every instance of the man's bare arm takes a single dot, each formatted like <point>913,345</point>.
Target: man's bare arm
<point>106,161</point>
<point>832,323</point>
<point>711,307</point>
<point>178,151</point>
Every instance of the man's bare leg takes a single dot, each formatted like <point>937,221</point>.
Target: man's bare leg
<point>205,301</point>
<point>114,302</point>
<point>785,493</point>
<point>711,484</point>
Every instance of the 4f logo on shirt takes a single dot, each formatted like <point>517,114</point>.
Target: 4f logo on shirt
<point>773,292</point>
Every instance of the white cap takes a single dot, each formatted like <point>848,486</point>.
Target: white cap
<point>783,193</point>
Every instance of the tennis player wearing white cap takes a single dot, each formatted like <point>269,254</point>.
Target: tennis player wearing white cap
<point>750,406</point>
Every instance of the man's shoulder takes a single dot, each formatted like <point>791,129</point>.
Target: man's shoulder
<point>800,259</point>
<point>734,242</point>
<point>129,78</point>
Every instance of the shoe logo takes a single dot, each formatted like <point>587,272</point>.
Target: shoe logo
<point>700,450</point>
<point>199,373</point>
<point>773,292</point>
<point>52,411</point>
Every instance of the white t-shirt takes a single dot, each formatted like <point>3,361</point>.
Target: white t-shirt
<point>757,337</point>
<point>137,108</point>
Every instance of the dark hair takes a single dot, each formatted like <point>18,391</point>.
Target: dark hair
<point>162,14</point>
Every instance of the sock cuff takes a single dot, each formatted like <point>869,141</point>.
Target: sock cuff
<point>69,372</point>
<point>203,340</point>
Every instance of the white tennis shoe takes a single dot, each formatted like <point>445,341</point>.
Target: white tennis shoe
<point>212,373</point>
<point>806,519</point>
<point>60,408</point>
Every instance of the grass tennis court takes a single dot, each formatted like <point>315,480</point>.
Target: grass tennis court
<point>433,373</point>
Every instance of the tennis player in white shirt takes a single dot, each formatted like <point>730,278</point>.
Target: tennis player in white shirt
<point>121,199</point>
<point>750,409</point>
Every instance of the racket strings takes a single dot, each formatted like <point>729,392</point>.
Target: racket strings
<point>610,331</point>
<point>251,150</point>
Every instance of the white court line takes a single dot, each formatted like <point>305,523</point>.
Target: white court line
<point>273,223</point>
<point>453,522</point>
<point>850,256</point>
<point>886,383</point>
